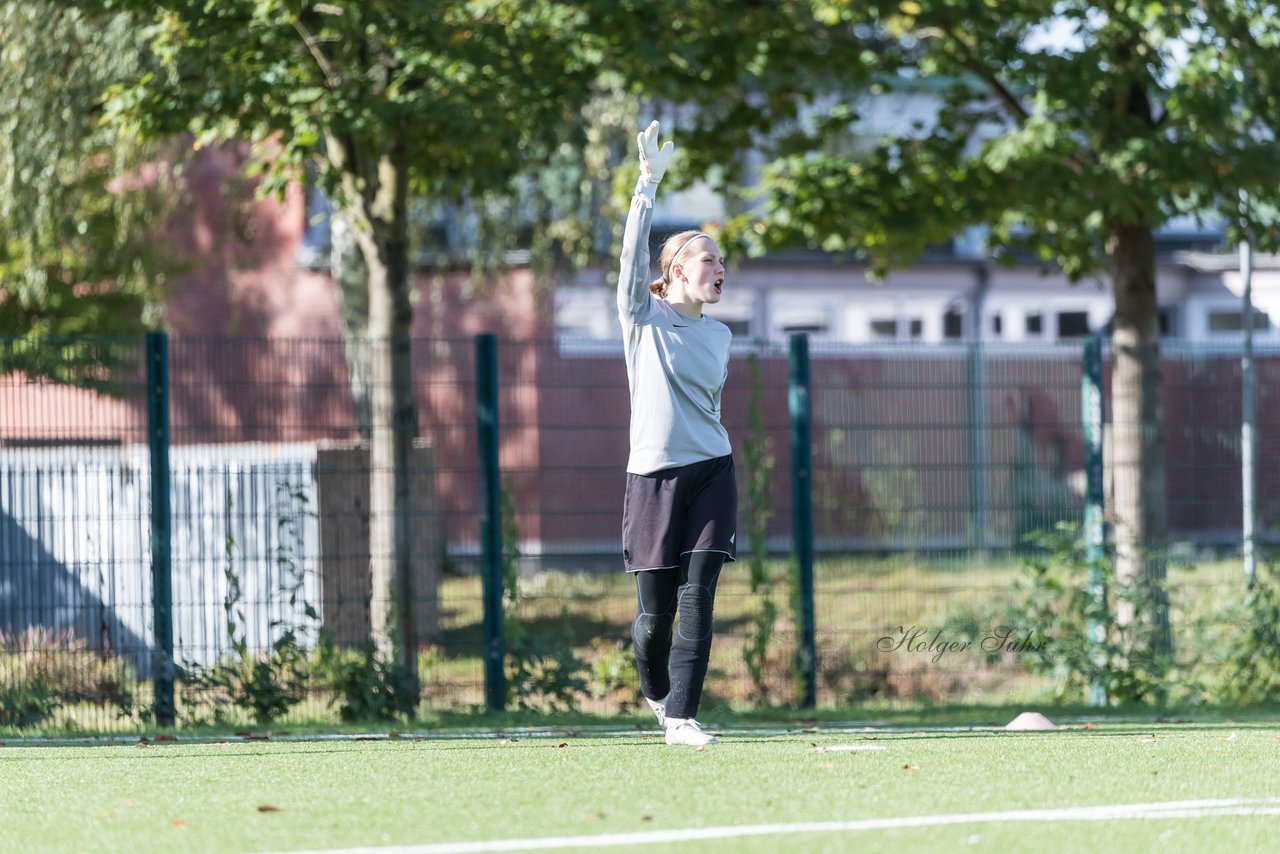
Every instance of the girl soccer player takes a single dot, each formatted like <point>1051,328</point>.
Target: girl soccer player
<point>681,503</point>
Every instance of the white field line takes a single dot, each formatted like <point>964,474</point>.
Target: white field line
<point>1110,812</point>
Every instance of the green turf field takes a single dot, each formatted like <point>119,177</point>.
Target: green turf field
<point>896,788</point>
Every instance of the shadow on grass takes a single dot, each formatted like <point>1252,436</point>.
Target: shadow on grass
<point>463,640</point>
<point>466,641</point>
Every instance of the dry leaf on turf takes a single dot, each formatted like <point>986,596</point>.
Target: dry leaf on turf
<point>269,808</point>
<point>180,824</point>
<point>911,766</point>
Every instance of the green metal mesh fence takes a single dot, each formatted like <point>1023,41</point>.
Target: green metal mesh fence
<point>931,466</point>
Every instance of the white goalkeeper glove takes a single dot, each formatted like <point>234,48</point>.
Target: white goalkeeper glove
<point>653,160</point>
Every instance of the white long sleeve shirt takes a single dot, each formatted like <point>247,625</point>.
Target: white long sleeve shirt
<point>676,365</point>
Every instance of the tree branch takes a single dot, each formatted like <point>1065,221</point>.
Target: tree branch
<point>970,60</point>
<point>331,77</point>
<point>1002,93</point>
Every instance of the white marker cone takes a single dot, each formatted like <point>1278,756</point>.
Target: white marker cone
<point>1030,720</point>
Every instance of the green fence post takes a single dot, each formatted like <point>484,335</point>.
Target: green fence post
<point>979,458</point>
<point>1094,530</point>
<point>802,515</point>
<point>1248,424</point>
<point>495,679</point>
<point>157,355</point>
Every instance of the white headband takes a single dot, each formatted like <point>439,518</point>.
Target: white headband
<point>676,256</point>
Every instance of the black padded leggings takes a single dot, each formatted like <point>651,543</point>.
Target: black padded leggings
<point>677,666</point>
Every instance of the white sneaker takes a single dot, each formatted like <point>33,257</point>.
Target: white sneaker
<point>687,731</point>
<point>659,708</point>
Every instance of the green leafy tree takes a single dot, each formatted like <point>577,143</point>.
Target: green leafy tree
<point>453,101</point>
<point>1075,148</point>
<point>385,98</point>
<point>80,202</point>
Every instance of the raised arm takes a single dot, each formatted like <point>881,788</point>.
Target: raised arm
<point>633,278</point>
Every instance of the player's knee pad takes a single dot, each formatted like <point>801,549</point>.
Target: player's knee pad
<point>651,633</point>
<point>695,609</point>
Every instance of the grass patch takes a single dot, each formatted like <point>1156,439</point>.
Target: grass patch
<point>271,796</point>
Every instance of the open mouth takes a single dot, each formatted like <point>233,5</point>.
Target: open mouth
<point>718,284</point>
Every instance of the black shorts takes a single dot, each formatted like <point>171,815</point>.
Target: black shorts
<point>676,511</point>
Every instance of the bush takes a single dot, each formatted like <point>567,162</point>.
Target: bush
<point>25,705</point>
<point>366,687</point>
<point>42,670</point>
<point>613,672</point>
<point>1055,596</point>
<point>1251,670</point>
<point>544,673</point>
<point>266,686</point>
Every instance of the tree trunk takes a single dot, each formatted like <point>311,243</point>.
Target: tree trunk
<point>348,268</point>
<point>1137,447</point>
<point>376,186</point>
